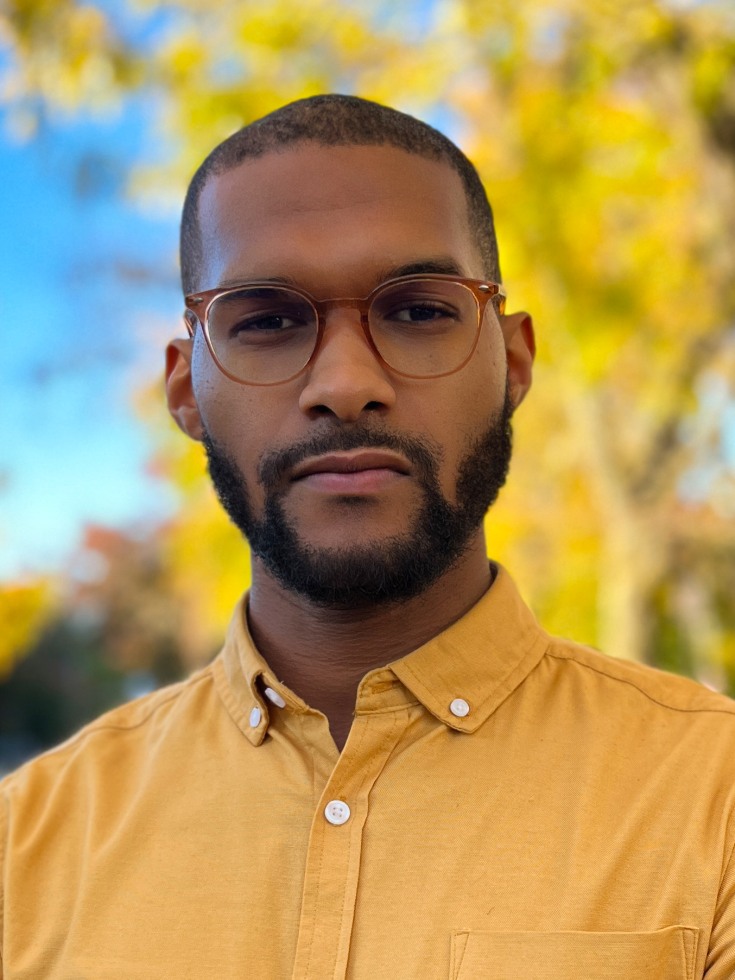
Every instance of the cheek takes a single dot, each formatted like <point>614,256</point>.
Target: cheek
<point>490,358</point>
<point>223,404</point>
<point>206,380</point>
<point>487,379</point>
<point>463,412</point>
<point>244,421</point>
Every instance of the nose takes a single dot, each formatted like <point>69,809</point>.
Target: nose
<point>346,379</point>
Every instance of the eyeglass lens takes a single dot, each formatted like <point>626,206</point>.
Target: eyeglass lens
<point>266,334</point>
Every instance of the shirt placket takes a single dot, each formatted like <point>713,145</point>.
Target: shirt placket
<point>335,846</point>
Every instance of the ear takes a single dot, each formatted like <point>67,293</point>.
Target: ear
<point>180,390</point>
<point>520,346</point>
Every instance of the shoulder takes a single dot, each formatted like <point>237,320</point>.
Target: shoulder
<point>639,726</point>
<point>132,730</point>
<point>623,679</point>
<point>640,710</point>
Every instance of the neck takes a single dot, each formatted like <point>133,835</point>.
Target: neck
<point>322,654</point>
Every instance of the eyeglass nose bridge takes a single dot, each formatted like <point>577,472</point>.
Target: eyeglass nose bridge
<point>362,305</point>
<point>324,306</point>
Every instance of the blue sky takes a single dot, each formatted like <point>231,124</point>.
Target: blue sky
<point>90,296</point>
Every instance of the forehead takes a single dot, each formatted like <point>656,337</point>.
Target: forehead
<point>347,212</point>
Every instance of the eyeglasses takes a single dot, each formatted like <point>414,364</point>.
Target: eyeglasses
<point>417,326</point>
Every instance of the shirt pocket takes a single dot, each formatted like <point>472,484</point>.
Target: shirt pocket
<point>667,954</point>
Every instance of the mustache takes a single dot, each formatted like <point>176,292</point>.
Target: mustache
<point>424,455</point>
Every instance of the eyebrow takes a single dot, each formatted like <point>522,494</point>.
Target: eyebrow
<point>246,280</point>
<point>437,266</point>
<point>443,266</point>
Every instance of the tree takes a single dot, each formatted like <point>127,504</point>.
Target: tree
<point>606,137</point>
<point>25,607</point>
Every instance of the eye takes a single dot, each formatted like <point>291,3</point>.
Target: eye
<point>260,315</point>
<point>423,302</point>
<point>266,323</point>
<point>419,311</point>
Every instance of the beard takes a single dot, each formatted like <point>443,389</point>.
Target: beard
<point>391,570</point>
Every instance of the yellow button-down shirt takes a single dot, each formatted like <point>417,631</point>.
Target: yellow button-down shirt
<point>507,805</point>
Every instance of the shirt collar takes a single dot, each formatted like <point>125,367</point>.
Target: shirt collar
<point>480,659</point>
<point>242,677</point>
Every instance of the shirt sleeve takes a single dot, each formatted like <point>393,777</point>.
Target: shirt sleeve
<point>721,953</point>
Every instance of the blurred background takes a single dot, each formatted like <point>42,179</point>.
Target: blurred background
<point>605,133</point>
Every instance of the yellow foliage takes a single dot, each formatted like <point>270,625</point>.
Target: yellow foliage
<point>600,130</point>
<point>24,611</point>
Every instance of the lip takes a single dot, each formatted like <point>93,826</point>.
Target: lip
<point>352,462</point>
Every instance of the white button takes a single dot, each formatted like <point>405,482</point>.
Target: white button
<point>275,697</point>
<point>337,812</point>
<point>459,708</point>
<point>255,715</point>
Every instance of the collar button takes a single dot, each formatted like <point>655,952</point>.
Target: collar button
<point>459,708</point>
<point>274,697</point>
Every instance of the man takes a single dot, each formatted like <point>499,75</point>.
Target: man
<point>390,770</point>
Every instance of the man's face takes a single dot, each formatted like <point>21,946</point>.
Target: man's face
<point>430,455</point>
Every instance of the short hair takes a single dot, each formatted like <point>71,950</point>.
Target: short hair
<point>335,120</point>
